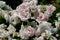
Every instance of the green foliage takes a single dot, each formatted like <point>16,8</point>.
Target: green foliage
<point>58,1</point>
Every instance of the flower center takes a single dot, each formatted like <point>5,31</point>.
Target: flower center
<point>43,10</point>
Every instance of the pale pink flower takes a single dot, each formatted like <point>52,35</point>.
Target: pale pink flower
<point>43,17</point>
<point>22,7</point>
<point>22,33</point>
<point>30,30</point>
<point>40,17</point>
<point>51,8</point>
<point>24,16</point>
<point>32,4</point>
<point>46,9</point>
<point>46,16</point>
<point>25,33</point>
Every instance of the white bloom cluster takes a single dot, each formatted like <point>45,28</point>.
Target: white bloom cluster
<point>35,16</point>
<point>2,3</point>
<point>26,32</point>
<point>57,23</point>
<point>7,31</point>
<point>3,32</point>
<point>40,12</point>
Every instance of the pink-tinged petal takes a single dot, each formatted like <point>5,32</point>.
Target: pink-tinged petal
<point>46,16</point>
<point>24,16</point>
<point>51,8</point>
<point>30,30</point>
<point>22,7</point>
<point>41,17</point>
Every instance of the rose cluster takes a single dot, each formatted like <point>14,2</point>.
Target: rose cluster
<point>32,19</point>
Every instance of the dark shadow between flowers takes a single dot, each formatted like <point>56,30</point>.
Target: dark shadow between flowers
<point>13,3</point>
